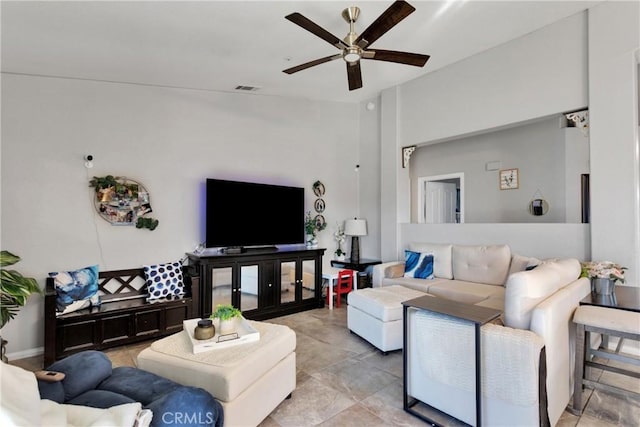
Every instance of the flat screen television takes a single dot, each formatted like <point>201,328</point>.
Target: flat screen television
<point>251,214</point>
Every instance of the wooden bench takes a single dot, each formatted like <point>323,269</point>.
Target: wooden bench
<point>125,316</point>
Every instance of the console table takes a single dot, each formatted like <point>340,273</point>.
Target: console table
<point>475,315</point>
<point>262,283</point>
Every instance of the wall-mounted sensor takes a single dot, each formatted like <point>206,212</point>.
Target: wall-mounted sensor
<point>88,161</point>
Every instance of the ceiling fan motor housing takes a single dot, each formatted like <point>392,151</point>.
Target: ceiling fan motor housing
<point>351,14</point>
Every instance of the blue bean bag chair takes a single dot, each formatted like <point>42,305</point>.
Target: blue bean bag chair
<point>91,381</point>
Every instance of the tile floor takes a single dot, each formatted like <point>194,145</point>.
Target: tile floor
<point>344,381</point>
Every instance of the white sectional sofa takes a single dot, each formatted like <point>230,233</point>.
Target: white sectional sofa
<point>537,305</point>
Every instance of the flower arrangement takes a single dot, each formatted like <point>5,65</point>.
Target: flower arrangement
<point>603,270</point>
<point>340,238</point>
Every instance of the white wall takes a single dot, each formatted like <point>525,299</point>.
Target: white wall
<point>576,164</point>
<point>614,40</point>
<point>537,75</point>
<point>369,173</point>
<point>170,140</point>
<point>536,240</point>
<point>542,73</point>
<point>537,150</point>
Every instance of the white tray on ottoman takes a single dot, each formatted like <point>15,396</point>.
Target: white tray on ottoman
<point>250,380</point>
<point>246,333</point>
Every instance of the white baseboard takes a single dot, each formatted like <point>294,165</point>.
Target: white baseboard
<point>38,351</point>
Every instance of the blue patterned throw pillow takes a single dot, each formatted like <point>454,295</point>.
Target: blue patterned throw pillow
<point>418,265</point>
<point>164,280</point>
<point>76,289</point>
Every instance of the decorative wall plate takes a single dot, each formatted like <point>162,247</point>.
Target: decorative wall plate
<point>319,205</point>
<point>318,189</point>
<point>320,221</point>
<point>120,200</point>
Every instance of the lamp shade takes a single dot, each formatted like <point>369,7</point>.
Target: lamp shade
<point>355,227</point>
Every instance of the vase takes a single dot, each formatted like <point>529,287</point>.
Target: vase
<point>312,242</point>
<point>602,286</point>
<point>227,326</point>
<point>340,258</point>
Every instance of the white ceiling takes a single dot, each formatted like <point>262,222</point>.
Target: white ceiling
<point>217,45</point>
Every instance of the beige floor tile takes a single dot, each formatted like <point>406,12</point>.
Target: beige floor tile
<point>354,416</point>
<point>311,403</point>
<point>343,380</point>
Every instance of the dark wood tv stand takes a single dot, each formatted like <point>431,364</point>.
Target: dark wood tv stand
<point>262,283</point>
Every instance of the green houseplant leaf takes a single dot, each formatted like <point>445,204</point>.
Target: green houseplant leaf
<point>14,288</point>
<point>225,312</point>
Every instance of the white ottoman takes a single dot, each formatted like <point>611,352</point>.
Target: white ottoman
<point>250,380</point>
<point>375,314</point>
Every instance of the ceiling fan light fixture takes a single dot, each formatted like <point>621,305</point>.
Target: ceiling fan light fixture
<point>352,54</point>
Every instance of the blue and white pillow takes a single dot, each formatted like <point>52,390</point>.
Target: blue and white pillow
<point>164,280</point>
<point>76,289</point>
<point>418,265</point>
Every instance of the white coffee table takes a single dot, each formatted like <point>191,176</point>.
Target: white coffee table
<point>331,274</point>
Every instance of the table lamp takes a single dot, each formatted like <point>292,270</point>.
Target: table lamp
<point>355,228</point>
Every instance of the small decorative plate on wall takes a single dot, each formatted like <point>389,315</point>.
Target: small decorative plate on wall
<point>318,189</point>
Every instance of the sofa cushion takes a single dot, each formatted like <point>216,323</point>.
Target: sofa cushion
<point>441,257</point>
<point>421,285</point>
<point>100,399</point>
<point>522,263</point>
<point>83,371</point>
<point>465,292</point>
<point>139,385</point>
<point>418,265</point>
<point>383,303</point>
<point>526,289</point>
<point>481,264</point>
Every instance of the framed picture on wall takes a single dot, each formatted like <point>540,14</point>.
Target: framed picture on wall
<point>509,179</point>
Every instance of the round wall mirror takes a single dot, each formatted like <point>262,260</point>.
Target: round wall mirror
<point>538,207</point>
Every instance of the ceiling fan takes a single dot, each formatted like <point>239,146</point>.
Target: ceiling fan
<point>355,47</point>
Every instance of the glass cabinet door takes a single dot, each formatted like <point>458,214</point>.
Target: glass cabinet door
<point>221,279</point>
<point>287,282</point>
<point>308,279</point>
<point>248,287</point>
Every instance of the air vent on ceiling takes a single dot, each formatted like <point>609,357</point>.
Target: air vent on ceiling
<point>247,88</point>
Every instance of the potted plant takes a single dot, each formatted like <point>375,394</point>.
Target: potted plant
<point>226,314</point>
<point>340,238</point>
<point>603,275</point>
<point>311,228</point>
<point>14,291</point>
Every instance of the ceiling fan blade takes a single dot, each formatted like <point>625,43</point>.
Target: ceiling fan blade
<point>389,18</point>
<point>354,75</point>
<point>314,28</point>
<point>407,58</point>
<point>311,63</point>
